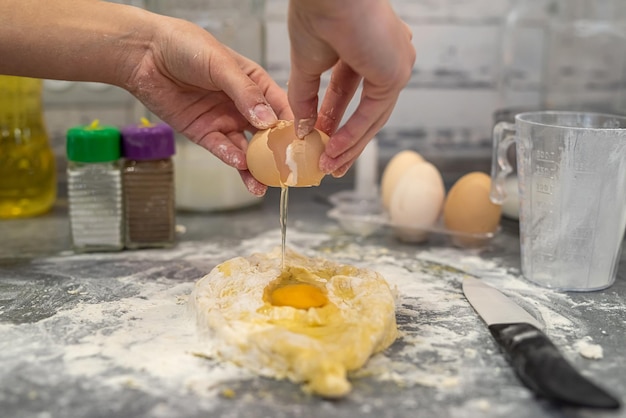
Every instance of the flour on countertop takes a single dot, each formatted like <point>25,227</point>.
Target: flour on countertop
<point>146,340</point>
<point>588,349</point>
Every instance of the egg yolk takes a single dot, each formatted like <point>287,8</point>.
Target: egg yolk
<point>299,296</point>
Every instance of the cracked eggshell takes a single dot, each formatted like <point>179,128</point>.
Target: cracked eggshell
<point>416,202</point>
<point>394,170</point>
<point>276,157</point>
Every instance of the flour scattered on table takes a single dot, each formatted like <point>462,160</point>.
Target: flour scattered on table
<point>588,349</point>
<point>134,333</point>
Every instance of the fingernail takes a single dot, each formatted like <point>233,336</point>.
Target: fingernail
<point>264,116</point>
<point>253,185</point>
<point>326,164</point>
<point>257,190</point>
<point>341,171</point>
<point>305,126</point>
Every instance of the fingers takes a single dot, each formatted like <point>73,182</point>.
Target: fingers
<point>378,99</point>
<point>252,184</point>
<point>350,140</point>
<point>373,47</point>
<point>310,58</point>
<point>341,171</point>
<point>254,94</point>
<point>343,84</point>
<point>231,150</point>
<point>274,95</point>
<point>302,95</point>
<point>247,96</point>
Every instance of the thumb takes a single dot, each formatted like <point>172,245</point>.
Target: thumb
<point>303,99</point>
<point>247,96</point>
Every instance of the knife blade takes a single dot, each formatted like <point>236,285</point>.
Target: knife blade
<point>536,360</point>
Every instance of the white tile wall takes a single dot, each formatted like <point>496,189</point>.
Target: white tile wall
<point>446,108</point>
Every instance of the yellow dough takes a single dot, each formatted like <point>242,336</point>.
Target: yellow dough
<point>311,323</point>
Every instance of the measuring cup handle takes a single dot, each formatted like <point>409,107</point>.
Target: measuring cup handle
<point>503,137</point>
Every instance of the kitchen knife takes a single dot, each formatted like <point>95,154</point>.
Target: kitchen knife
<point>536,361</point>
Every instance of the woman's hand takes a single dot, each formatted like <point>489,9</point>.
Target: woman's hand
<point>177,69</point>
<point>363,41</point>
<point>207,92</point>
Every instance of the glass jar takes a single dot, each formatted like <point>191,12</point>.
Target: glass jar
<point>27,164</point>
<point>193,165</point>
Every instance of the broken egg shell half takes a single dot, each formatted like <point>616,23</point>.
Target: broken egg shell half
<point>277,157</point>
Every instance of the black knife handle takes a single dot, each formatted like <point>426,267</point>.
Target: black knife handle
<point>543,369</point>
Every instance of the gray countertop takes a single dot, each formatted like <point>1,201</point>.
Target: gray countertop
<point>108,335</point>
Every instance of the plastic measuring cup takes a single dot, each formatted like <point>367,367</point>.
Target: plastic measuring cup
<point>572,195</point>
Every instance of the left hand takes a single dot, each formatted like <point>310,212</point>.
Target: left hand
<point>208,92</point>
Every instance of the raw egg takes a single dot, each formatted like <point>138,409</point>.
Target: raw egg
<point>394,170</point>
<point>277,157</point>
<point>416,202</point>
<point>299,296</point>
<point>469,210</point>
<point>295,287</point>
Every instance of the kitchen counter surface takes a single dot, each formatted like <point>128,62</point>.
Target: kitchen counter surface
<point>108,335</point>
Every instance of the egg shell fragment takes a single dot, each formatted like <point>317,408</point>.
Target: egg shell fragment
<point>396,167</point>
<point>416,202</point>
<point>468,209</point>
<point>276,157</point>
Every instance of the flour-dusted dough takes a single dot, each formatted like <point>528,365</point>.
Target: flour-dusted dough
<point>315,346</point>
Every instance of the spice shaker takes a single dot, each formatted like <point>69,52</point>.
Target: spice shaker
<point>148,180</point>
<point>95,188</point>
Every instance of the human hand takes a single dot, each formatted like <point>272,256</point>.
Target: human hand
<point>177,69</point>
<point>362,41</point>
<point>207,92</point>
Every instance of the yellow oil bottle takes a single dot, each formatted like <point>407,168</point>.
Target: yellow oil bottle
<point>27,165</point>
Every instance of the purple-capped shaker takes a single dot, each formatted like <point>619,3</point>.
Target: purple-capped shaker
<point>148,184</point>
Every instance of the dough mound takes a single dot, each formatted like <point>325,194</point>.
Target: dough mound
<point>316,346</point>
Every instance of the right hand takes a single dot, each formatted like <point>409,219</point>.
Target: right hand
<point>361,40</point>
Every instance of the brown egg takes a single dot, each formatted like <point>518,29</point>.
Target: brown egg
<point>277,157</point>
<point>469,210</point>
<point>396,167</point>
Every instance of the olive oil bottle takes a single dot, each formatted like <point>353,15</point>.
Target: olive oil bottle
<point>27,166</point>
